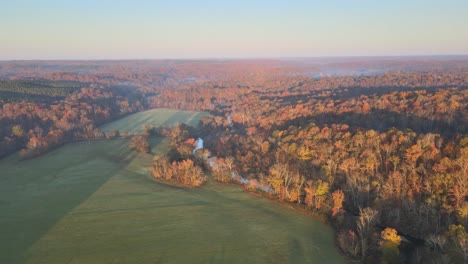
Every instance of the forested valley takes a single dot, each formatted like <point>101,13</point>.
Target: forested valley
<point>376,148</point>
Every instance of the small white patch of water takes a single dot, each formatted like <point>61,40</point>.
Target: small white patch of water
<point>229,119</point>
<point>257,185</point>
<point>211,162</point>
<point>199,145</point>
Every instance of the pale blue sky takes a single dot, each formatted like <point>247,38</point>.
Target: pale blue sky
<point>143,29</point>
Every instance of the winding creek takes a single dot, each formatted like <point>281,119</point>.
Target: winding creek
<point>95,203</point>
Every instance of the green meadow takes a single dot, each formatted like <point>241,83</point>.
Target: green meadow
<point>96,203</point>
<point>166,117</point>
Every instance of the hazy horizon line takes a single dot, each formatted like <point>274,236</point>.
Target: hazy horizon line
<point>245,58</point>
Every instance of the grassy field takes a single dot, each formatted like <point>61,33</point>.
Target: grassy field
<point>95,203</point>
<point>134,123</point>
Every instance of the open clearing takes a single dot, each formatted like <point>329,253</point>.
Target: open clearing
<point>167,117</point>
<point>95,203</point>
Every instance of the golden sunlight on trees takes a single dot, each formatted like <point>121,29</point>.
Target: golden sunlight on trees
<point>389,245</point>
<point>459,238</point>
<point>140,143</point>
<point>17,131</point>
<point>184,172</point>
<point>338,199</point>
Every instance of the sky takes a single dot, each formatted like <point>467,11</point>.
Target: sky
<point>183,29</point>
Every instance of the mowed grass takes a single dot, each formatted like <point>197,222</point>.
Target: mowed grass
<point>167,117</point>
<point>96,203</point>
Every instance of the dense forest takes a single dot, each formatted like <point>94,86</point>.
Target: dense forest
<point>377,147</point>
<point>36,126</point>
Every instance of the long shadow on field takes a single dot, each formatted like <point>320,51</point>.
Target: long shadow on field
<point>36,194</point>
<point>218,199</point>
<point>182,117</point>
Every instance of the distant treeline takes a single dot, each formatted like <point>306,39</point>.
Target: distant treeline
<point>14,90</point>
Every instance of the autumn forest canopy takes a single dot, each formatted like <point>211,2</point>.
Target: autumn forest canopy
<point>376,147</point>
